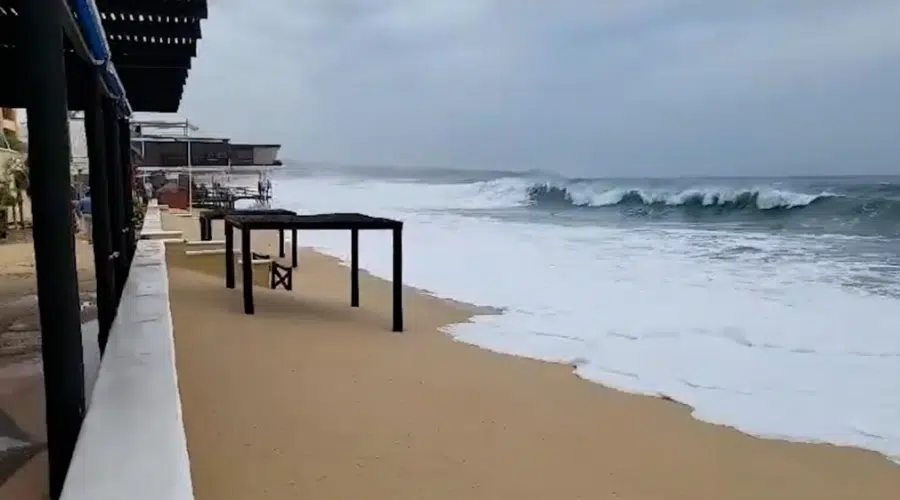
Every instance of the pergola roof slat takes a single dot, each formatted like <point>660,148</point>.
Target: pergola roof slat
<point>189,8</point>
<point>189,29</point>
<point>151,44</point>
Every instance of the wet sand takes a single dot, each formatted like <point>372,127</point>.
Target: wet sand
<point>310,398</point>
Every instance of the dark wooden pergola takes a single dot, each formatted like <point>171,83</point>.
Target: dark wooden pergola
<point>319,222</point>
<point>152,44</point>
<point>207,217</point>
<point>49,71</point>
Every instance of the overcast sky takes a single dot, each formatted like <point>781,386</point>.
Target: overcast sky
<point>584,87</point>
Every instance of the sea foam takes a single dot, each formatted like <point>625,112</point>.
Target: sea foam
<point>769,340</point>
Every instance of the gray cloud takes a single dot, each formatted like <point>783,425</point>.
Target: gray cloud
<point>602,87</point>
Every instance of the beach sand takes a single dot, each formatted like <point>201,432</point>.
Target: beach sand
<point>310,398</point>
<point>23,461</point>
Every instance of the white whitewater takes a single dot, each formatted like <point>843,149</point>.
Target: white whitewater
<point>776,348</point>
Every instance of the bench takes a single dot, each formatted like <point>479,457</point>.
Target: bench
<point>171,241</point>
<point>204,244</point>
<point>160,234</point>
<point>207,251</point>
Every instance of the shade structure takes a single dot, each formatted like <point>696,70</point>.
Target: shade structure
<point>151,44</point>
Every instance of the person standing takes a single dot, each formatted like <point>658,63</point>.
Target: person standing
<point>87,220</point>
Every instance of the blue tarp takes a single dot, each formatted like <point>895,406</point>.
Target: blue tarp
<point>87,16</point>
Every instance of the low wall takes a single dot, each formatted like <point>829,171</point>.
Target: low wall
<point>132,443</point>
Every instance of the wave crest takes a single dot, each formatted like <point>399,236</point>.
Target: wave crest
<point>546,194</point>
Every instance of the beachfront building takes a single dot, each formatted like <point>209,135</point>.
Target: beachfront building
<point>108,58</point>
<point>204,154</point>
<point>254,154</point>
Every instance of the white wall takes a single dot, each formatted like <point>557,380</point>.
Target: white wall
<point>132,443</point>
<point>265,155</point>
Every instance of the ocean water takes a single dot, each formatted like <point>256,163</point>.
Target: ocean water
<point>768,305</point>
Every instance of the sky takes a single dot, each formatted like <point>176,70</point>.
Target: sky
<point>581,87</point>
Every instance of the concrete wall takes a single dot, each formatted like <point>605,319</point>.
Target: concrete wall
<point>132,444</point>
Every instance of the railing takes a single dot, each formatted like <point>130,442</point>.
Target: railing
<point>132,443</point>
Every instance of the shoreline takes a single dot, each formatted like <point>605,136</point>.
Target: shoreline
<point>479,310</point>
<point>635,438</point>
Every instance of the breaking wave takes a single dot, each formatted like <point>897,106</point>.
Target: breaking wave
<point>872,210</point>
<point>752,199</point>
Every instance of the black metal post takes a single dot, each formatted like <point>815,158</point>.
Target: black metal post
<point>354,267</point>
<point>116,199</point>
<point>203,234</point>
<point>229,255</point>
<point>293,248</point>
<point>103,265</point>
<point>398,279</point>
<point>281,243</point>
<point>54,245</point>
<point>127,192</point>
<point>247,261</point>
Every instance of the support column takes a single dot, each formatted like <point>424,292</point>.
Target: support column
<point>127,191</point>
<point>247,269</point>
<point>103,263</point>
<point>354,267</point>
<point>229,255</point>
<point>54,245</point>
<point>398,279</point>
<point>293,248</point>
<point>116,199</point>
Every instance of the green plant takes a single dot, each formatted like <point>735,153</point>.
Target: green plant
<point>14,181</point>
<point>12,142</point>
<point>139,210</point>
<point>7,198</point>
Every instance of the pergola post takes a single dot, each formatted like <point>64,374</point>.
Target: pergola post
<point>103,264</point>
<point>247,268</point>
<point>127,191</point>
<point>354,267</point>
<point>229,255</point>
<point>293,248</point>
<point>116,199</point>
<point>53,234</point>
<point>398,278</point>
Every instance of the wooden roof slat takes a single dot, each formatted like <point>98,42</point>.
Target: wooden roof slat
<point>189,8</point>
<point>152,29</point>
<point>151,44</point>
<point>330,221</point>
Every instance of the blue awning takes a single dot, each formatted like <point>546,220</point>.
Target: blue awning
<point>90,28</point>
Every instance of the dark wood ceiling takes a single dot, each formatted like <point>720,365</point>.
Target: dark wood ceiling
<point>152,44</point>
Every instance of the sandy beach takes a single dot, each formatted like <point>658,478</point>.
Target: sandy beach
<point>309,398</point>
<point>23,461</point>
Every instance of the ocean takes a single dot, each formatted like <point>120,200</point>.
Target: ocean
<point>771,305</point>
